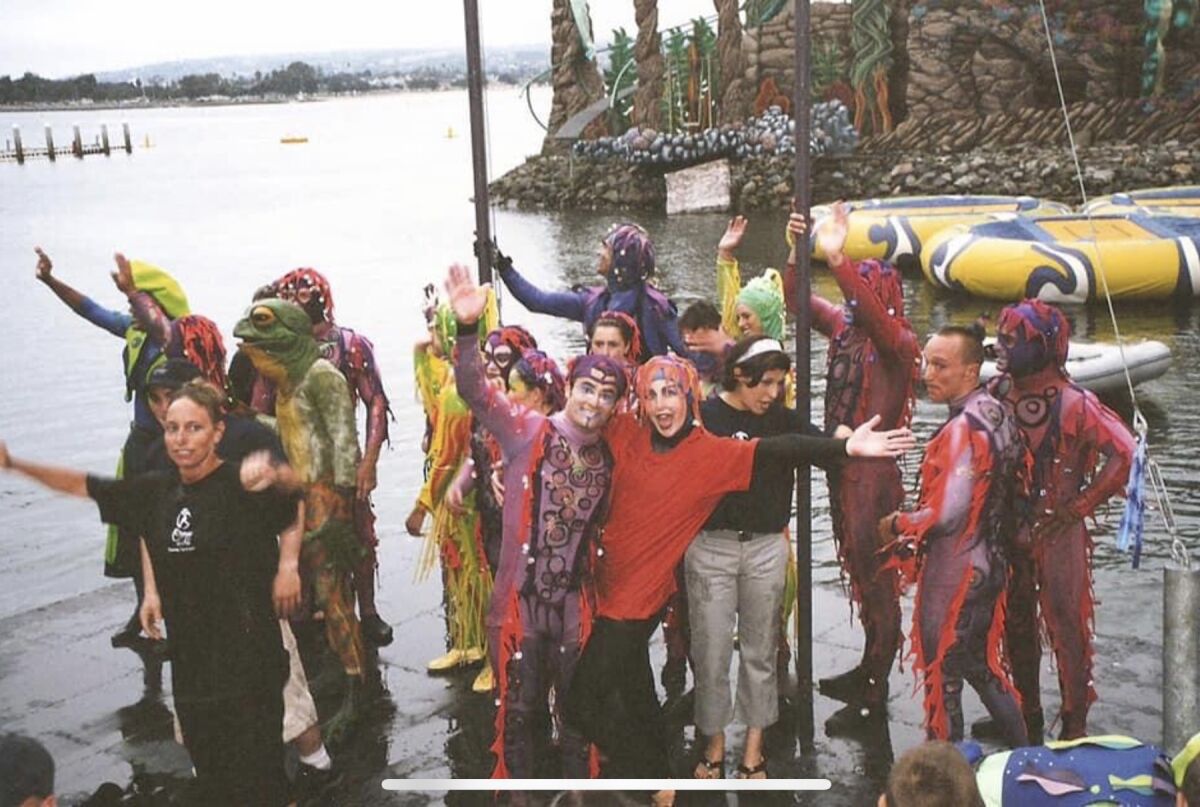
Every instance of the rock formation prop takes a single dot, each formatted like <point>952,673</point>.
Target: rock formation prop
<point>771,133</point>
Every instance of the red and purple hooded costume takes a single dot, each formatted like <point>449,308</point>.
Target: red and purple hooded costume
<point>1081,456</point>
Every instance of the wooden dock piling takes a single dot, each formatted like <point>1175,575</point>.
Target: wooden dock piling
<point>15,150</point>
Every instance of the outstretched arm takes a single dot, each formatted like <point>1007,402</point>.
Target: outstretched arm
<point>45,273</point>
<point>803,449</point>
<point>565,304</point>
<point>114,322</point>
<point>63,480</point>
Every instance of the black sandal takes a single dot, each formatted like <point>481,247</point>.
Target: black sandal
<point>744,772</point>
<point>710,767</point>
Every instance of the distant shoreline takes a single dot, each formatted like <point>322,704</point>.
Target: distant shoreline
<point>68,106</point>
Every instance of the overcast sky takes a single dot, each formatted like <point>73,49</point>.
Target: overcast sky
<point>58,38</point>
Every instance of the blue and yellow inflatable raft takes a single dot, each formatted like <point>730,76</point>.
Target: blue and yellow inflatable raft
<point>894,229</point>
<point>1180,200</point>
<point>1060,258</point>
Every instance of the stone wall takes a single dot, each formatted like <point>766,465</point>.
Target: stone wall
<point>977,57</point>
<point>1092,122</point>
<point>554,183</point>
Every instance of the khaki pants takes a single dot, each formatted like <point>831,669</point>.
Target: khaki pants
<point>733,583</point>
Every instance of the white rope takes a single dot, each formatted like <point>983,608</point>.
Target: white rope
<point>1178,549</point>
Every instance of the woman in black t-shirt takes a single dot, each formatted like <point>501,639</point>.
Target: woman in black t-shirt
<point>736,568</point>
<point>210,530</point>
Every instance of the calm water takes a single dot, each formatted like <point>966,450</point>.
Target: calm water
<point>378,199</point>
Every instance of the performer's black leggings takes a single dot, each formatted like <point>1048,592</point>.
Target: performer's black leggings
<point>613,703</point>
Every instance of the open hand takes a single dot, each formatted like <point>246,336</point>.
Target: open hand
<point>831,235</point>
<point>866,442</point>
<point>44,266</point>
<point>732,238</point>
<point>467,299</point>
<point>123,277</point>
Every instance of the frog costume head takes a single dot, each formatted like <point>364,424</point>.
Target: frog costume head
<point>277,336</point>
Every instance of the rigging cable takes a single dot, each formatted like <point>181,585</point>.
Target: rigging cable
<point>1179,550</point>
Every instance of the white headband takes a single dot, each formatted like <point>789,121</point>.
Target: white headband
<point>760,347</point>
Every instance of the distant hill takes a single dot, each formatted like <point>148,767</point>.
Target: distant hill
<point>519,59</point>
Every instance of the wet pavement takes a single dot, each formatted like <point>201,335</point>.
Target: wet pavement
<point>104,717</point>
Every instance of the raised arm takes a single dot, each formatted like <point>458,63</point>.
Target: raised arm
<point>565,304</point>
<point>891,339</point>
<point>729,274</point>
<point>63,480</point>
<point>114,322</point>
<point>827,318</point>
<point>509,424</point>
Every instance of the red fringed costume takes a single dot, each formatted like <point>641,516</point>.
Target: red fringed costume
<point>1082,452</point>
<point>873,364</point>
<point>975,469</point>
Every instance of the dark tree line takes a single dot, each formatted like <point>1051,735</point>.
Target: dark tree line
<point>297,77</point>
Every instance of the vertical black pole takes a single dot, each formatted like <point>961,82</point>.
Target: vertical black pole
<point>803,202</point>
<point>483,232</point>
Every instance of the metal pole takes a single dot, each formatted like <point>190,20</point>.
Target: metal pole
<point>50,143</point>
<point>483,230</point>
<point>803,202</point>
<point>18,145</point>
<point>1181,656</point>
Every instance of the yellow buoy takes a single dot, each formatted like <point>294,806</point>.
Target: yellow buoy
<point>293,139</point>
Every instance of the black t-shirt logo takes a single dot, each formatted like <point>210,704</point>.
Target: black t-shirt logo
<point>740,436</point>
<point>181,536</point>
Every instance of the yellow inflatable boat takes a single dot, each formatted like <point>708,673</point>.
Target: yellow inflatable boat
<point>1059,258</point>
<point>1180,200</point>
<point>894,229</point>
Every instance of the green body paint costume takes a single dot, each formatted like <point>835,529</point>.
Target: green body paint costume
<point>315,418</point>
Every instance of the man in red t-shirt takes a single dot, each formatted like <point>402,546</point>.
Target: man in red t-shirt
<point>669,475</point>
